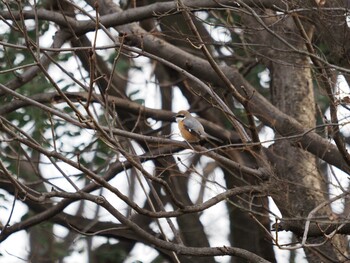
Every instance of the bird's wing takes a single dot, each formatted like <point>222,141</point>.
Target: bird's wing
<point>198,130</point>
<point>192,127</point>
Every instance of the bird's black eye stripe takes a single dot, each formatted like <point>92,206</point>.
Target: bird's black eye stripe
<point>180,116</point>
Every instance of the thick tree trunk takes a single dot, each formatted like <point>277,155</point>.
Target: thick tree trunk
<point>300,187</point>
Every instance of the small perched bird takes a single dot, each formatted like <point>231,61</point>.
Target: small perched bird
<point>190,128</point>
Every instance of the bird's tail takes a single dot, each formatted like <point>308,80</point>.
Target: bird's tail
<point>208,136</point>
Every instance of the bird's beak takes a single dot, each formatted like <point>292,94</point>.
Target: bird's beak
<point>174,117</point>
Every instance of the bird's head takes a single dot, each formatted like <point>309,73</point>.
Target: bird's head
<point>181,115</point>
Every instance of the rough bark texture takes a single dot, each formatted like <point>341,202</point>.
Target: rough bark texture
<point>299,186</point>
<point>299,178</point>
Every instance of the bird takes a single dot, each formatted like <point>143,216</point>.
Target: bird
<point>191,129</point>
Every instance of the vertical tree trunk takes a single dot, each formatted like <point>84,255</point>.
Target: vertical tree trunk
<point>298,175</point>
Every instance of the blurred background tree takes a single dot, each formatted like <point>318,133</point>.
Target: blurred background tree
<point>92,167</point>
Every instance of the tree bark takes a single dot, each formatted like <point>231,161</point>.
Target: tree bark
<point>300,187</point>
